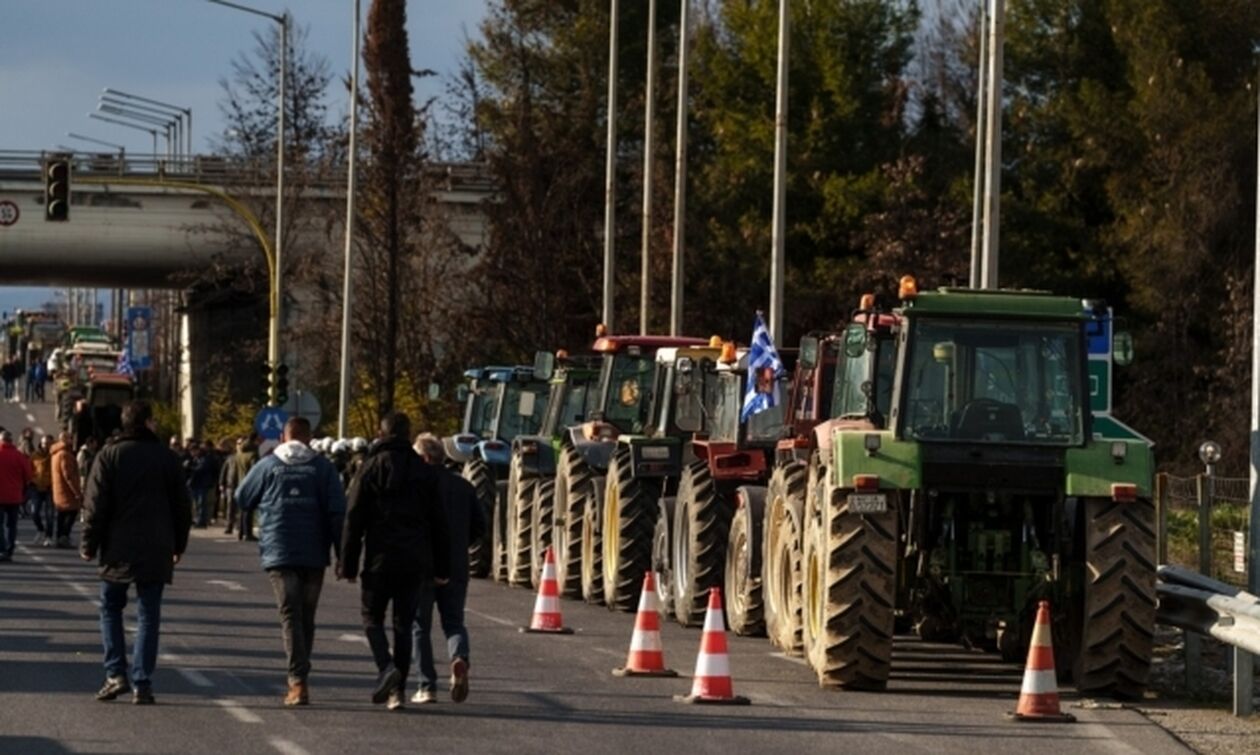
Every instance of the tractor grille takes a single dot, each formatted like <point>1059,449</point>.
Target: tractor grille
<point>992,468</point>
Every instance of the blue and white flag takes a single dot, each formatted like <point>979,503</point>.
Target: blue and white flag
<point>764,370</point>
<point>124,365</point>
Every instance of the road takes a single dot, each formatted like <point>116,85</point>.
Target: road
<point>221,677</point>
<point>40,415</point>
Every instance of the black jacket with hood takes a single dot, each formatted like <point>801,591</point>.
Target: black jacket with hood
<point>395,516</point>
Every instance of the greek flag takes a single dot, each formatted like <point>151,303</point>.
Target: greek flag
<point>124,365</point>
<point>764,370</point>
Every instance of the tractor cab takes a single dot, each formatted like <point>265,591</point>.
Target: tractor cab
<point>500,403</point>
<point>573,396</point>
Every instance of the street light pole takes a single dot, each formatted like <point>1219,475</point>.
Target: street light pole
<point>173,118</point>
<point>277,273</point>
<point>142,118</point>
<point>680,178</point>
<point>186,112</point>
<point>778,257</point>
<point>347,290</point>
<point>982,108</point>
<point>1244,661</point>
<point>152,131</point>
<point>993,141</point>
<point>649,116</point>
<point>610,170</point>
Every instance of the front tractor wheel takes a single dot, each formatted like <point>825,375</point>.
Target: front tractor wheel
<point>745,609</point>
<point>519,520</point>
<point>568,511</point>
<point>782,574</point>
<point>540,529</point>
<point>702,525</point>
<point>482,480</point>
<point>1118,616</point>
<point>499,534</point>
<point>629,523</point>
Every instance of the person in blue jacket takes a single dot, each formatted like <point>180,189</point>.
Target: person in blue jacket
<point>301,508</point>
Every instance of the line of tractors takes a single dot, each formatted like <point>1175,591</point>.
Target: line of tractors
<point>933,467</point>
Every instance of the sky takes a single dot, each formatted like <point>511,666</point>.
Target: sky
<point>57,55</point>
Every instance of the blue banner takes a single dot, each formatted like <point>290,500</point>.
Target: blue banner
<point>140,337</point>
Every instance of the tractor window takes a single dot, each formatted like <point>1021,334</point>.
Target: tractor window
<point>481,409</point>
<point>628,390</point>
<point>695,399</point>
<point>994,382</point>
<point>767,426</point>
<point>523,408</point>
<point>853,374</point>
<point>730,398</point>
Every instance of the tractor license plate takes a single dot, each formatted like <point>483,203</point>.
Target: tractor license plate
<point>868,503</point>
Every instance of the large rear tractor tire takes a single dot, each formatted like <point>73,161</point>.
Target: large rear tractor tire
<point>540,528</point>
<point>745,608</point>
<point>572,489</point>
<point>662,552</point>
<point>592,568</point>
<point>629,521</point>
<point>482,480</point>
<point>499,535</point>
<point>519,520</point>
<point>702,525</point>
<point>1118,616</point>
<point>783,535</point>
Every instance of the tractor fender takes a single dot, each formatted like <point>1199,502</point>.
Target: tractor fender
<point>496,453</point>
<point>537,457</point>
<point>458,450</point>
<point>596,454</point>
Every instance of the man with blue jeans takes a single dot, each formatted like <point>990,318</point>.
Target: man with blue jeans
<point>466,524</point>
<point>137,518</point>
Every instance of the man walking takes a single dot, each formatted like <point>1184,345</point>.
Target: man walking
<point>303,508</point>
<point>466,524</point>
<point>41,493</point>
<point>137,520</point>
<point>394,506</point>
<point>15,475</point>
<point>202,476</point>
<point>244,460</point>
<point>67,491</point>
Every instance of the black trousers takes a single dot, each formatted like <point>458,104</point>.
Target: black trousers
<point>379,591</point>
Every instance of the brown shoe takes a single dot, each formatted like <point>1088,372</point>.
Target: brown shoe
<point>298,694</point>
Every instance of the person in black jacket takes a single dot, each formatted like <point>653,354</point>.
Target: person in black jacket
<point>467,524</point>
<point>396,520</point>
<point>137,518</point>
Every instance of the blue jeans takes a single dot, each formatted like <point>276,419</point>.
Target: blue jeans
<point>201,515</point>
<point>43,513</point>
<point>8,534</point>
<point>450,604</point>
<point>149,620</point>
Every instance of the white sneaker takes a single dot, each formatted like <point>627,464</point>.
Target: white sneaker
<point>395,701</point>
<point>424,697</point>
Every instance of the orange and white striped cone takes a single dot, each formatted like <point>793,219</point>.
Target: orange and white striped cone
<point>712,681</point>
<point>547,619</point>
<point>646,657</point>
<point>1039,697</point>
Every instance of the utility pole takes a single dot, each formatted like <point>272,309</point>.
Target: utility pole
<point>610,171</point>
<point>977,211</point>
<point>347,291</point>
<point>778,258</point>
<point>680,178</point>
<point>1244,661</point>
<point>649,116</point>
<point>993,141</point>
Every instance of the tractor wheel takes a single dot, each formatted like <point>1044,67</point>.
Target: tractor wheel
<point>702,525</point>
<point>781,558</point>
<point>572,489</point>
<point>499,535</point>
<point>477,473</point>
<point>1118,616</point>
<point>814,569</point>
<point>745,609</point>
<point>661,554</point>
<point>540,528</point>
<point>592,568</point>
<point>519,520</point>
<point>629,521</point>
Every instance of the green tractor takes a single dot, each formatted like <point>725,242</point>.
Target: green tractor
<point>532,469</point>
<point>987,486</point>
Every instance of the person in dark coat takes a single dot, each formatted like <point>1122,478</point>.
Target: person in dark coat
<point>137,519</point>
<point>303,508</point>
<point>244,460</point>
<point>396,521</point>
<point>467,524</point>
<point>202,477</point>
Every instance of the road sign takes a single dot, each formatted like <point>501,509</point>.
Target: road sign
<point>9,212</point>
<point>1098,333</point>
<point>269,424</point>
<point>1100,385</point>
<point>1107,427</point>
<point>139,337</point>
<point>304,404</point>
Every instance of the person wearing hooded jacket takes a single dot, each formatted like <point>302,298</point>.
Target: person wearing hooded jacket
<point>397,522</point>
<point>301,507</point>
<point>67,493</point>
<point>138,516</point>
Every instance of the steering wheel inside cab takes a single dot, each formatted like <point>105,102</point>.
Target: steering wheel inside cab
<point>988,419</point>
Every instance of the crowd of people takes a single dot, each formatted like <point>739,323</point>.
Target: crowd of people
<point>387,515</point>
<point>12,373</point>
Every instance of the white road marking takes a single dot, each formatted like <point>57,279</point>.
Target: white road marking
<point>353,638</point>
<point>225,540</point>
<point>286,747</point>
<point>24,407</point>
<point>37,559</point>
<point>227,584</point>
<point>613,653</point>
<point>30,417</point>
<point>789,658</point>
<point>488,617</point>
<point>194,677</point>
<point>239,712</point>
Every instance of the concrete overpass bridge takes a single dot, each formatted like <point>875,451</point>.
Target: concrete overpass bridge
<point>149,222</point>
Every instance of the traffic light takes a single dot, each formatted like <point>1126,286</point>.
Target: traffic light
<point>57,190</point>
<point>265,394</point>
<point>282,384</point>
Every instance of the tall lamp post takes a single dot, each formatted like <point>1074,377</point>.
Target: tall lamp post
<point>175,119</point>
<point>152,131</point>
<point>277,299</point>
<point>343,396</point>
<point>167,126</point>
<point>186,112</point>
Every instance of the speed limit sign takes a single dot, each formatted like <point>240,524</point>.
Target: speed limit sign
<point>8,212</point>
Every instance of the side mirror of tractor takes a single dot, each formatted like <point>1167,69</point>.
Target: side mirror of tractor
<point>461,394</point>
<point>1122,349</point>
<point>435,391</point>
<point>544,365</point>
<point>855,341</point>
<point>809,353</point>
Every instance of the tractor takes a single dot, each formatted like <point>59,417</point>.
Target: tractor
<point>979,491</point>
<point>500,403</point>
<point>531,471</point>
<point>620,405</point>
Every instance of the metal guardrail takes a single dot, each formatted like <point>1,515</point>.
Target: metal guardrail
<point>221,171</point>
<point>1190,601</point>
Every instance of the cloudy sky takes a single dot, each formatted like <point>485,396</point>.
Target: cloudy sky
<point>57,55</point>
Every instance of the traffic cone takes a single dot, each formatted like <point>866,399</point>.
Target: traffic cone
<point>646,657</point>
<point>1039,697</point>
<point>712,681</point>
<point>547,618</point>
